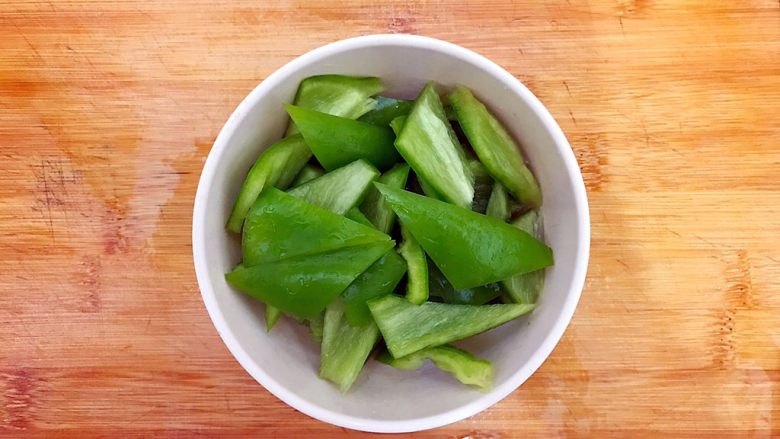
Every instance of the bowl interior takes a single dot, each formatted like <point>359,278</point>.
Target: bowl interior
<point>385,399</point>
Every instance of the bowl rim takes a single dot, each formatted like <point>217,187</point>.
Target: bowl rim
<point>363,423</point>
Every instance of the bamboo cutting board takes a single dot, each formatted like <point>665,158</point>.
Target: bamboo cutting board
<point>108,110</point>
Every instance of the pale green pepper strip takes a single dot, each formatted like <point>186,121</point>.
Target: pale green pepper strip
<point>462,365</point>
<point>417,268</point>
<point>525,288</point>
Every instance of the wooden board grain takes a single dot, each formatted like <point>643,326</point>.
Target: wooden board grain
<point>108,110</point>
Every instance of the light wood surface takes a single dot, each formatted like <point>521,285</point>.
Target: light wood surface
<point>108,110</point>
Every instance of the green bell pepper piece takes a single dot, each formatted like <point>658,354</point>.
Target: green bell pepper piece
<point>407,327</point>
<point>356,215</point>
<point>397,124</point>
<point>316,327</point>
<point>345,96</point>
<point>386,110</point>
<point>380,279</point>
<point>276,166</point>
<point>498,205</point>
<point>344,348</point>
<point>417,268</point>
<point>308,173</point>
<point>337,141</point>
<point>281,226</point>
<point>374,206</point>
<point>525,288</point>
<point>439,286</point>
<point>462,365</point>
<point>272,315</point>
<point>471,249</point>
<point>495,147</point>
<point>304,285</point>
<point>483,185</point>
<point>430,146</point>
<point>339,190</point>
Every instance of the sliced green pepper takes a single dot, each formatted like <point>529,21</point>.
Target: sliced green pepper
<point>417,268</point>
<point>281,226</point>
<point>276,166</point>
<point>471,249</point>
<point>483,185</point>
<point>498,205</point>
<point>408,328</point>
<point>374,206</point>
<point>339,190</point>
<point>344,348</point>
<point>345,96</point>
<point>304,285</point>
<point>386,110</point>
<point>316,326</point>
<point>430,146</point>
<point>463,366</point>
<point>525,288</point>
<point>356,215</point>
<point>272,315</point>
<point>337,141</point>
<point>378,280</point>
<point>397,124</point>
<point>439,286</point>
<point>308,173</point>
<point>495,147</point>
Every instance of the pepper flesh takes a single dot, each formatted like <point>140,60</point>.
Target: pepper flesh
<point>375,207</point>
<point>498,205</point>
<point>356,215</point>
<point>308,173</point>
<point>273,230</point>
<point>337,141</point>
<point>345,96</point>
<point>483,186</point>
<point>303,286</point>
<point>378,280</point>
<point>386,110</point>
<point>339,190</point>
<point>276,166</point>
<point>471,249</point>
<point>525,288</point>
<point>460,364</point>
<point>407,327</point>
<point>316,325</point>
<point>495,147</point>
<point>417,268</point>
<point>430,146</point>
<point>439,286</point>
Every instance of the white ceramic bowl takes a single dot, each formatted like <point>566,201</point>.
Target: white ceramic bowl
<point>384,399</point>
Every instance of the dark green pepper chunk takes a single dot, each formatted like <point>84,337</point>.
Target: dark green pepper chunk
<point>441,287</point>
<point>471,249</point>
<point>386,110</point>
<point>380,279</point>
<point>338,141</point>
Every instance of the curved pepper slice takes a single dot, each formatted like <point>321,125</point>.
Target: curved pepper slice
<point>498,204</point>
<point>417,268</point>
<point>337,141</point>
<point>375,207</point>
<point>471,249</point>
<point>495,147</point>
<point>339,95</point>
<point>303,286</point>
<point>483,186</point>
<point>281,226</point>
<point>407,327</point>
<point>462,365</point>
<point>430,146</point>
<point>340,190</point>
<point>276,166</point>
<point>386,110</point>
<point>525,288</point>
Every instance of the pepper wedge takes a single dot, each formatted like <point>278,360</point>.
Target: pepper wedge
<point>430,146</point>
<point>525,288</point>
<point>471,249</point>
<point>407,327</point>
<point>339,190</point>
<point>460,364</point>
<point>495,147</point>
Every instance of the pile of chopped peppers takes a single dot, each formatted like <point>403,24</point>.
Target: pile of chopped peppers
<point>391,225</point>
